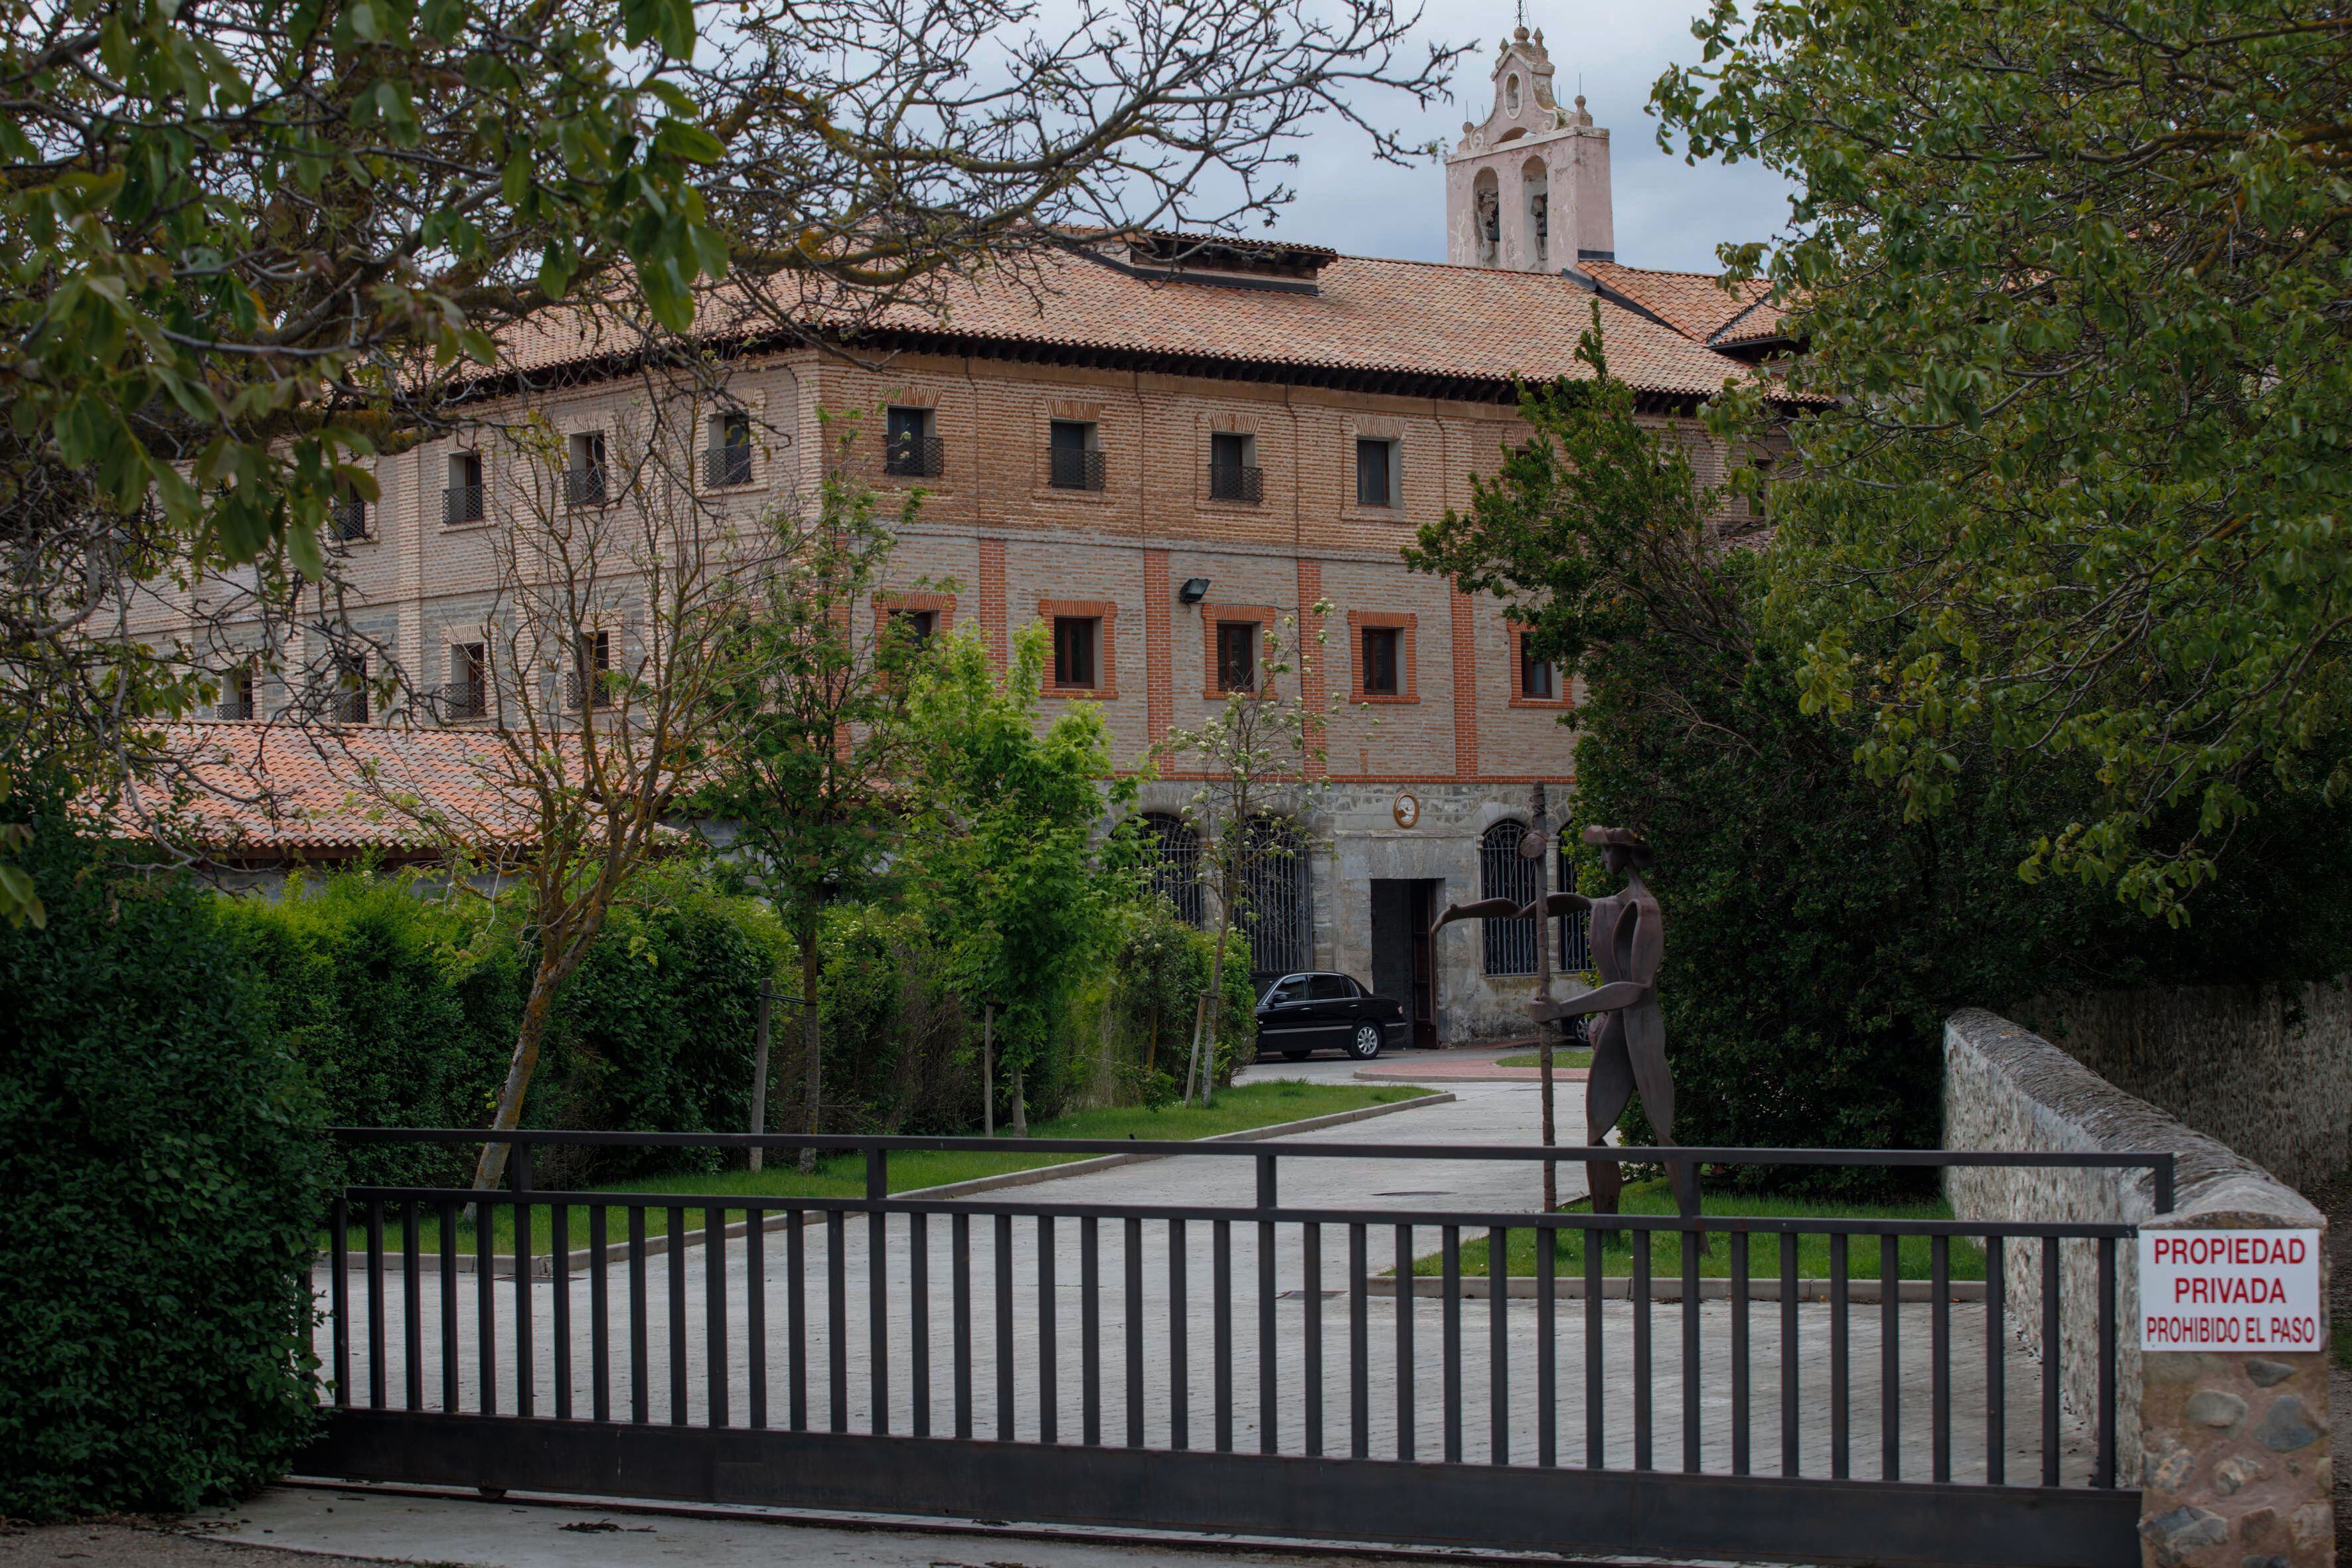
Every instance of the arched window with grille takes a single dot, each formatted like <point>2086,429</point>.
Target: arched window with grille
<point>1510,944</point>
<point>1175,851</point>
<point>1575,930</point>
<point>1275,910</point>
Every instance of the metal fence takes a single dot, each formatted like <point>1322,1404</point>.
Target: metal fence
<point>1251,1367</point>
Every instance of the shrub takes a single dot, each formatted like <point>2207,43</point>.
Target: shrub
<point>165,1180</point>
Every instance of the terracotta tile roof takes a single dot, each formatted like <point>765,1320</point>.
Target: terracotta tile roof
<point>1761,322</point>
<point>269,789</point>
<point>1361,316</point>
<point>1691,303</point>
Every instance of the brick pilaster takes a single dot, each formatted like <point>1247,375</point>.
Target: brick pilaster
<point>1159,659</point>
<point>1312,684</point>
<point>992,600</point>
<point>1466,687</point>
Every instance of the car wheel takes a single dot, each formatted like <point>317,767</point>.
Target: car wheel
<point>1367,1043</point>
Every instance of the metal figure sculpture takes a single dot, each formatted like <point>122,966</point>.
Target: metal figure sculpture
<point>1628,1033</point>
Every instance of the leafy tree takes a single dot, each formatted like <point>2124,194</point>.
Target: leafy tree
<point>815,749</point>
<point>249,246</point>
<point>1254,759</point>
<point>1003,854</point>
<point>2075,279</point>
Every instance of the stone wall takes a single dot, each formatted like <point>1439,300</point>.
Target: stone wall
<point>2231,1451</point>
<point>2265,1069</point>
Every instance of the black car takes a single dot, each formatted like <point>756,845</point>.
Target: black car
<point>1302,1012</point>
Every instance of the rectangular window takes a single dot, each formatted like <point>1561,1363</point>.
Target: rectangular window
<point>350,698</point>
<point>1376,472</point>
<point>1234,473</point>
<point>1237,655</point>
<point>912,443</point>
<point>1074,459</point>
<point>1075,638</point>
<point>236,693</point>
<point>1538,680</point>
<point>1383,661</point>
<point>347,518</point>
<point>915,625</point>
<point>468,692</point>
<point>729,459</point>
<point>461,503</point>
<point>588,685</point>
<point>583,481</point>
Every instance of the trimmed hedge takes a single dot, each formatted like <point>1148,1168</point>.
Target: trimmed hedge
<point>164,1180</point>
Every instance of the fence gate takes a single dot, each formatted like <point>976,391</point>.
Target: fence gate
<point>1814,1390</point>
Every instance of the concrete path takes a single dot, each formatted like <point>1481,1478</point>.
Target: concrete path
<point>982,1329</point>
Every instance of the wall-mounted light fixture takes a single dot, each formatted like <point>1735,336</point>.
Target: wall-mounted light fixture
<point>1195,590</point>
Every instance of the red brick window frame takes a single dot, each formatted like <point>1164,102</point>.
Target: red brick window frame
<point>1516,636</point>
<point>1106,611</point>
<point>941,605</point>
<point>1408,685</point>
<point>1214,615</point>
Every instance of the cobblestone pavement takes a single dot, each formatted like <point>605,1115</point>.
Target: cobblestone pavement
<point>1231,1332</point>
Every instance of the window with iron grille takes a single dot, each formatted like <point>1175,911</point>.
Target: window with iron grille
<point>584,482</point>
<point>236,694</point>
<point>1076,640</point>
<point>1376,472</point>
<point>1510,945</point>
<point>1175,851</point>
<point>1073,460</point>
<point>1383,655</point>
<point>915,627</point>
<point>347,518</point>
<point>911,445</point>
<point>467,695</point>
<point>462,501</point>
<point>590,685</point>
<point>349,703</point>
<point>1576,929</point>
<point>1275,909</point>
<point>729,459</point>
<point>1237,655</point>
<point>1234,473</point>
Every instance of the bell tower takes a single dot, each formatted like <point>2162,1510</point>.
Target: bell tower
<point>1527,190</point>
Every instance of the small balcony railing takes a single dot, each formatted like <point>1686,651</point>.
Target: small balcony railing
<point>347,519</point>
<point>237,708</point>
<point>1236,481</point>
<point>1074,469</point>
<point>725,465</point>
<point>348,705</point>
<point>593,689</point>
<point>916,457</point>
<point>461,504</point>
<point>465,700</point>
<point>584,487</point>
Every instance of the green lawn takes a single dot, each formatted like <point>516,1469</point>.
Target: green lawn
<point>1715,1262</point>
<point>1236,1110</point>
<point>1562,1059</point>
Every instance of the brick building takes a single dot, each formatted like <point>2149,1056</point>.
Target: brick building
<point>1166,443</point>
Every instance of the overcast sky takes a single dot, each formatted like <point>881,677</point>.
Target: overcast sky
<point>1669,213</point>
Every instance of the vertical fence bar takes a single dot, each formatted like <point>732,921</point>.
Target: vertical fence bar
<point>600,1319</point>
<point>375,1335</point>
<point>1310,1285</point>
<point>2102,1471</point>
<point>640,1379</point>
<point>1740,1457</point>
<point>2051,1331</point>
<point>960,1290</point>
<point>674,1274</point>
<point>524,1339</point>
<point>1180,1375</point>
<point>1450,1338</point>
<point>836,1322</point>
<point>1221,1316</point>
<point>449,1305</point>
<point>339,1288</point>
<point>486,1307</point>
<point>1791,1460</point>
<point>1840,1447</point>
<point>1004,1370</point>
<point>1270,1408</point>
<point>1498,1341</point>
<point>797,1318</point>
<point>919,1325</point>
<point>1132,1272</point>
<point>1642,1392</point>
<point>1890,1358</point>
<point>716,1407</point>
<point>1089,1332</point>
<point>1996,1361</point>
<point>1547,1347</point>
<point>1596,1452</point>
<point>1940,1352</point>
<point>1407,1301</point>
<point>412,1305</point>
<point>1359,1346</point>
<point>877,1319</point>
<point>559,1262</point>
<point>755,1314</point>
<point>1692,1241</point>
<point>1049,1356</point>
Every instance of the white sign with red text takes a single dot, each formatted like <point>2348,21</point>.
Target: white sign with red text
<point>2229,1289</point>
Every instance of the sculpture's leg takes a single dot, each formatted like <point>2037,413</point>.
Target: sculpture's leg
<point>1607,1091</point>
<point>1645,1046</point>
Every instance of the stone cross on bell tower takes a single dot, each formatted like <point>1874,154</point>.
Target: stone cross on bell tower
<point>1527,190</point>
